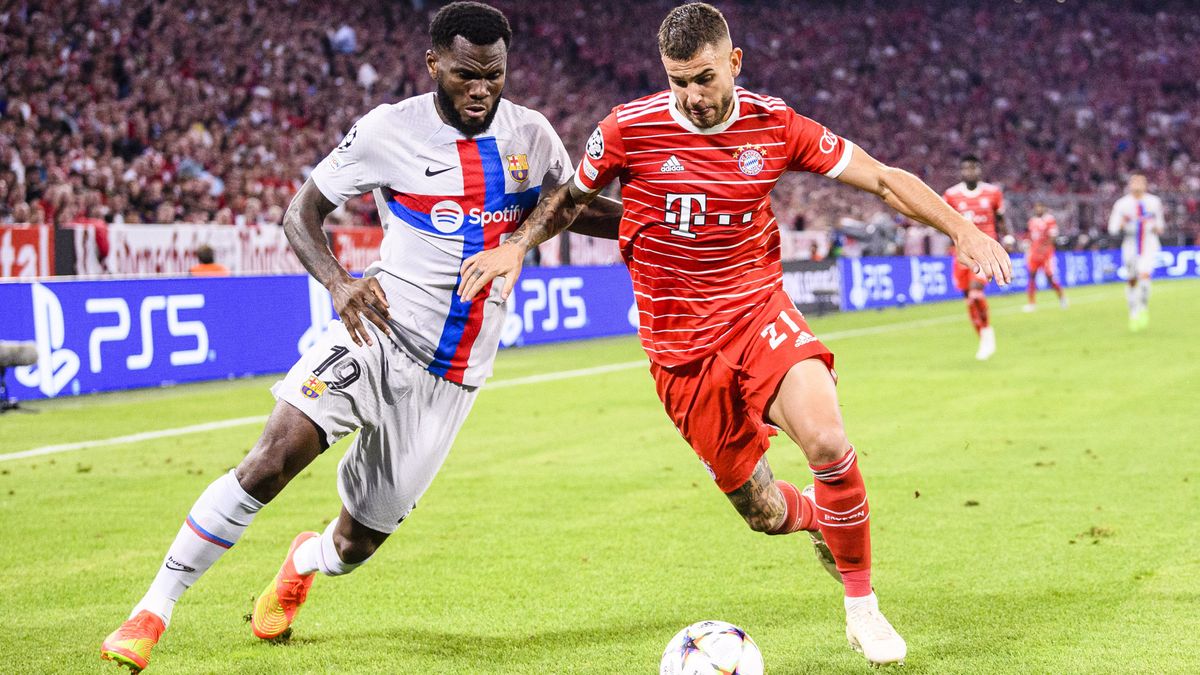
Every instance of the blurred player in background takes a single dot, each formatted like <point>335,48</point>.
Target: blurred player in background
<point>452,172</point>
<point>731,356</point>
<point>1043,228</point>
<point>982,204</point>
<point>1138,216</point>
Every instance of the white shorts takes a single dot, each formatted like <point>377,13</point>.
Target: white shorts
<point>408,416</point>
<point>1136,265</point>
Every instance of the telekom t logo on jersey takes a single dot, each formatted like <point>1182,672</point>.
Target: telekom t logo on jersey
<point>691,211</point>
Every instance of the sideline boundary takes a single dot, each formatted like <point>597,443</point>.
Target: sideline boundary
<point>499,384</point>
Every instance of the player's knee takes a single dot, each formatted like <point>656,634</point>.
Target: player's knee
<point>354,551</point>
<point>826,446</point>
<point>264,472</point>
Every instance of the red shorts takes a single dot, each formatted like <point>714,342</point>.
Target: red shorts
<point>1045,264</point>
<point>719,403</point>
<point>963,276</point>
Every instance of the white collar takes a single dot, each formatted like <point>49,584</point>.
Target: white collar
<point>684,122</point>
<point>969,192</point>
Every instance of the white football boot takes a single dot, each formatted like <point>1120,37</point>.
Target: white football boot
<point>987,344</point>
<point>1029,307</point>
<point>824,555</point>
<point>870,634</point>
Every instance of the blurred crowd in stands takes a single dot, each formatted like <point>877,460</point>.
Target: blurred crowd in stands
<point>211,111</point>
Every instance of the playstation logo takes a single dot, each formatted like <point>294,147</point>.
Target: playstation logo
<point>56,367</point>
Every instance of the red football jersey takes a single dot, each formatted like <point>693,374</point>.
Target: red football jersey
<point>698,234</point>
<point>1042,232</point>
<point>979,206</point>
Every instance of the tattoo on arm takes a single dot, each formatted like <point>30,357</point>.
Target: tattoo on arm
<point>553,214</point>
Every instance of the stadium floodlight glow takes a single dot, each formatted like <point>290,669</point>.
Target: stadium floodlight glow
<point>14,354</point>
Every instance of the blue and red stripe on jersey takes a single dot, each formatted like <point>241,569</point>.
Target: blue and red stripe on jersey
<point>483,189</point>
<point>1141,226</point>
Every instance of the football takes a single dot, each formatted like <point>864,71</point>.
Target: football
<point>711,648</point>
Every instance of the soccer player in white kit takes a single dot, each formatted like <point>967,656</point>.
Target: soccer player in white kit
<point>1139,217</point>
<point>451,172</point>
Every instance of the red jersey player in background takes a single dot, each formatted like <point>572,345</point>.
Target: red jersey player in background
<point>731,357</point>
<point>1043,228</point>
<point>982,204</point>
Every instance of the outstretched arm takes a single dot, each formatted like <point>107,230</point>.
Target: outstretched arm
<point>352,298</point>
<point>553,214</point>
<point>601,219</point>
<point>910,196</point>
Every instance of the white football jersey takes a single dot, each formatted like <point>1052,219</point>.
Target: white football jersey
<point>1140,221</point>
<point>443,197</point>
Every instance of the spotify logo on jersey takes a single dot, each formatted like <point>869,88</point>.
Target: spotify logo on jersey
<point>446,216</point>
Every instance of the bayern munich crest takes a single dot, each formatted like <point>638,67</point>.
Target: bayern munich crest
<point>750,159</point>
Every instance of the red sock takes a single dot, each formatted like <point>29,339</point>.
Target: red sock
<point>973,313</point>
<point>981,308</point>
<point>844,518</point>
<point>1056,286</point>
<point>1029,292</point>
<point>800,512</point>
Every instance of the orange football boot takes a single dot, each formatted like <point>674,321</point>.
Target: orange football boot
<point>279,603</point>
<point>130,644</point>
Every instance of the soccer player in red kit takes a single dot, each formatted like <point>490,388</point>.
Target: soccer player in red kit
<point>1043,228</point>
<point>982,204</point>
<point>732,358</point>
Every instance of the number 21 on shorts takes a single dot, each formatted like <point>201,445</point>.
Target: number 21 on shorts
<point>775,336</point>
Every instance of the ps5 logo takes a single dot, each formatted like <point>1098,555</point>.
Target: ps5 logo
<point>150,304</point>
<point>56,366</point>
<point>555,299</point>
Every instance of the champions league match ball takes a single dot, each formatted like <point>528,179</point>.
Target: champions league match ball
<point>711,648</point>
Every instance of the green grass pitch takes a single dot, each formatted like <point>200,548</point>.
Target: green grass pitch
<point>1032,514</point>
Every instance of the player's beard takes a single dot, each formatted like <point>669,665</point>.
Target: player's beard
<point>446,103</point>
<point>721,110</point>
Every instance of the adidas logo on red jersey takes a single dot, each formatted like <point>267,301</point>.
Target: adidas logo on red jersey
<point>672,165</point>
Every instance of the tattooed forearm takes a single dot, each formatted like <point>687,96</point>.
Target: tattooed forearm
<point>553,214</point>
<point>759,501</point>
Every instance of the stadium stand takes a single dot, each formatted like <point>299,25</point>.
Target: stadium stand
<point>142,111</point>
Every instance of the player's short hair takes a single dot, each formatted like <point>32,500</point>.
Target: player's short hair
<point>969,157</point>
<point>478,23</point>
<point>690,28</point>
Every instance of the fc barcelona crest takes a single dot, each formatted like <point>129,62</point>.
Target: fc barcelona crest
<point>518,167</point>
<point>313,387</point>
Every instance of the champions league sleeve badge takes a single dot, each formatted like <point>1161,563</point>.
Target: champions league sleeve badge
<point>595,144</point>
<point>750,159</point>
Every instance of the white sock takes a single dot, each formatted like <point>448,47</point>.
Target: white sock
<point>320,554</point>
<point>1143,287</point>
<point>214,524</point>
<point>1132,298</point>
<point>870,600</point>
